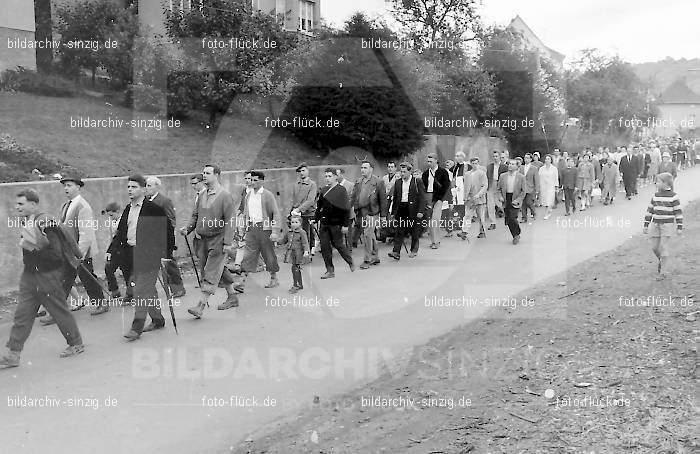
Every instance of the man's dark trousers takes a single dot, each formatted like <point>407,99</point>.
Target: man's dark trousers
<point>173,273</point>
<point>45,288</point>
<point>306,227</point>
<point>630,185</point>
<point>569,199</point>
<point>511,215</point>
<point>528,205</point>
<point>331,236</point>
<point>122,261</point>
<point>89,279</point>
<point>405,226</point>
<point>146,297</point>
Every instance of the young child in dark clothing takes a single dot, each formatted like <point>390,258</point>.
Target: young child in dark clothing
<point>297,251</point>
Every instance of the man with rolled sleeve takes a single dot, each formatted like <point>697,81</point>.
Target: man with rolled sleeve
<point>263,225</point>
<point>214,220</point>
<point>47,257</point>
<point>370,204</point>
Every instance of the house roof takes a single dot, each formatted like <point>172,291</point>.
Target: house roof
<point>517,20</point>
<point>679,93</point>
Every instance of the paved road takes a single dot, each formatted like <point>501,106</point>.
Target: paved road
<point>193,392</point>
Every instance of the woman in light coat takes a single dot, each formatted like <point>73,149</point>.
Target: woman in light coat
<point>549,181</point>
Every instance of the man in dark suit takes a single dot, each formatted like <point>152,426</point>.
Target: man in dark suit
<point>407,210</point>
<point>436,181</point>
<point>629,168</point>
<point>511,189</point>
<point>144,235</point>
<point>494,170</point>
<point>154,194</point>
<point>333,216</point>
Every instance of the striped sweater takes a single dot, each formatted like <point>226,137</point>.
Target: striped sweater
<point>664,208</point>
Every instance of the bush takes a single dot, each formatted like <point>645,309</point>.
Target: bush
<point>149,99</point>
<point>19,161</point>
<point>29,81</point>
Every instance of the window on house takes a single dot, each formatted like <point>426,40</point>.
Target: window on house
<point>185,5</point>
<point>306,15</point>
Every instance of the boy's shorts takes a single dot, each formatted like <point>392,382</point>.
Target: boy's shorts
<point>661,230</point>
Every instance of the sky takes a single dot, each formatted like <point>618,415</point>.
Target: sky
<point>638,31</point>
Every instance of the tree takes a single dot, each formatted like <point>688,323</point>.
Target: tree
<point>85,27</point>
<point>602,90</point>
<point>528,90</point>
<point>42,19</point>
<point>220,40</point>
<point>377,97</point>
<point>432,20</point>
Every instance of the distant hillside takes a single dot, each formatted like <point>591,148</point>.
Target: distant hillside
<point>663,73</point>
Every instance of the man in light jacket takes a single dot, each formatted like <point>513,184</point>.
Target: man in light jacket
<point>475,189</point>
<point>263,228</point>
<point>511,188</point>
<point>77,216</point>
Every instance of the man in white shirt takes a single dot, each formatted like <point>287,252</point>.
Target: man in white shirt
<point>77,216</point>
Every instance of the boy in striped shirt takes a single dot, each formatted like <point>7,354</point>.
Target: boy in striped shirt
<point>663,212</point>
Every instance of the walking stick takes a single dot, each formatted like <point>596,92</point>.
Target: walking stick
<point>165,282</point>
<point>194,265</point>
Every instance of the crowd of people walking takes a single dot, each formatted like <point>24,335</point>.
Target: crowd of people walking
<point>234,231</point>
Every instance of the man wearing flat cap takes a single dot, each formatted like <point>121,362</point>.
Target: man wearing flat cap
<point>77,216</point>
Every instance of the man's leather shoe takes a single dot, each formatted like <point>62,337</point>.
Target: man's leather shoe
<point>328,275</point>
<point>273,283</point>
<point>10,359</point>
<point>197,310</point>
<point>231,301</point>
<point>394,256</point>
<point>72,350</point>
<point>152,327</point>
<point>132,335</point>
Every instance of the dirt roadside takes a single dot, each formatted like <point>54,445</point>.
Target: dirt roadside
<point>605,362</point>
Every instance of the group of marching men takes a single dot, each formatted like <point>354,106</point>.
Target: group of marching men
<point>234,231</point>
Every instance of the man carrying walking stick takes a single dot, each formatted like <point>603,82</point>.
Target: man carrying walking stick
<point>213,219</point>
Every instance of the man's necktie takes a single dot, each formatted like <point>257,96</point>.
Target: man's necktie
<point>64,212</point>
